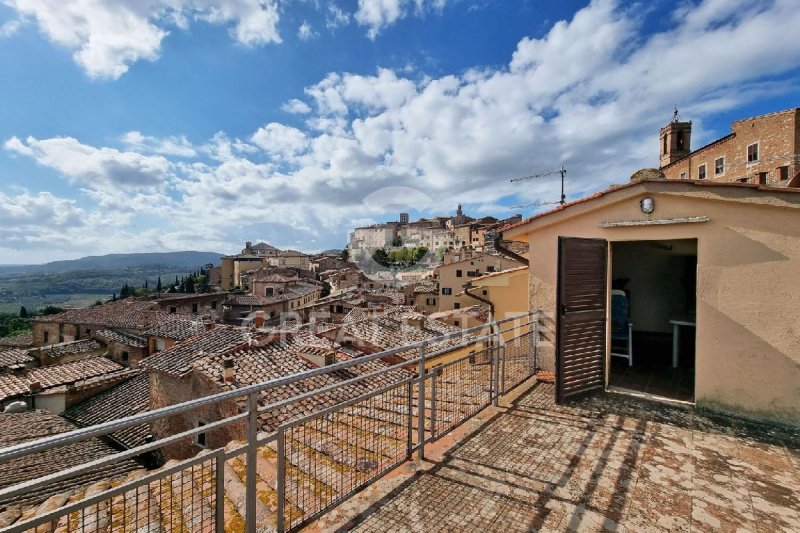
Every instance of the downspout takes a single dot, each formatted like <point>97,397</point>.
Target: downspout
<point>467,287</point>
<point>498,245</point>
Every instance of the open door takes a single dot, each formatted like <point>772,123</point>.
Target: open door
<point>581,328</point>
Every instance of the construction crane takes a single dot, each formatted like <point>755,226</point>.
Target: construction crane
<point>562,172</point>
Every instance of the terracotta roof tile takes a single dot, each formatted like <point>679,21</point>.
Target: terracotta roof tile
<point>71,348</point>
<point>177,360</point>
<point>127,314</point>
<point>121,337</point>
<point>32,425</point>
<point>13,357</point>
<point>175,329</point>
<point>24,340</point>
<point>128,398</point>
<point>283,358</point>
<point>48,377</point>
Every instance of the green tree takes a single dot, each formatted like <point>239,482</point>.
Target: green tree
<point>397,241</point>
<point>189,284</point>
<point>345,254</point>
<point>158,285</point>
<point>23,313</point>
<point>381,257</point>
<point>50,310</point>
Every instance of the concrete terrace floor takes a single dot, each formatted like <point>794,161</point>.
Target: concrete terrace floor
<point>602,463</point>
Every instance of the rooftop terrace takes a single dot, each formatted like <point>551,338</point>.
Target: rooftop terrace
<point>473,444</point>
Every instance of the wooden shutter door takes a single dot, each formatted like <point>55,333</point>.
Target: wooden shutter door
<point>581,342</point>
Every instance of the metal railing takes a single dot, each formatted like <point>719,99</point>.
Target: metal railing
<point>285,478</point>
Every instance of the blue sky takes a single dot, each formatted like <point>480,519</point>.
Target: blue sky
<point>161,125</point>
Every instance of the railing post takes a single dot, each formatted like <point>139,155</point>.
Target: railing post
<point>219,501</point>
<point>410,406</point>
<point>421,403</point>
<point>495,371</point>
<point>503,356</point>
<point>281,481</point>
<point>534,343</point>
<point>433,402</point>
<point>252,457</point>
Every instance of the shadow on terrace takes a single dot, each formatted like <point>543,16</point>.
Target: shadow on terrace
<point>602,463</point>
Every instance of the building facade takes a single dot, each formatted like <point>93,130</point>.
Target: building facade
<point>762,150</point>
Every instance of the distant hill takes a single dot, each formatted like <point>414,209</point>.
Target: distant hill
<point>167,261</point>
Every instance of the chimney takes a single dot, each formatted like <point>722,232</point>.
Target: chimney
<point>35,387</point>
<point>227,369</point>
<point>418,321</point>
<point>259,319</point>
<point>208,325</point>
<point>318,356</point>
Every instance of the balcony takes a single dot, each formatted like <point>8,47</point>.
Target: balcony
<point>485,450</point>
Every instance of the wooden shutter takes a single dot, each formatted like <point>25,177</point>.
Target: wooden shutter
<point>581,342</point>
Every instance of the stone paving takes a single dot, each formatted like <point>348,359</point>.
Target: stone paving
<point>604,463</point>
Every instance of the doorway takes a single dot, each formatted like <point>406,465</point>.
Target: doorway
<point>652,318</point>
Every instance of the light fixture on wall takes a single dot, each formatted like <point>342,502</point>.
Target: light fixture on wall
<point>648,205</point>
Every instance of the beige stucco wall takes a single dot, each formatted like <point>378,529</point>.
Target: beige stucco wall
<point>748,288</point>
<point>449,279</point>
<point>509,296</point>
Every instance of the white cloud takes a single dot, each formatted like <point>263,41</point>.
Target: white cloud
<point>336,17</point>
<point>305,32</point>
<point>282,141</point>
<point>175,145</point>
<point>580,95</point>
<point>107,36</point>
<point>96,168</point>
<point>378,14</point>
<point>296,107</point>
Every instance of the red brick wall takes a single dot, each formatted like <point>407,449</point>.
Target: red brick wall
<point>777,135</point>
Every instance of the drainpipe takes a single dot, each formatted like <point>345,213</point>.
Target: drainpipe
<point>467,287</point>
<point>498,245</point>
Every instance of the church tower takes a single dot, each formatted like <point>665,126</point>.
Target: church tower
<point>674,140</point>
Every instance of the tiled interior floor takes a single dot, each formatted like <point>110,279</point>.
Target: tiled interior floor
<point>652,370</point>
<point>603,463</point>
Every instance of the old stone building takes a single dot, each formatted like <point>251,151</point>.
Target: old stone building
<point>129,315</point>
<point>764,150</point>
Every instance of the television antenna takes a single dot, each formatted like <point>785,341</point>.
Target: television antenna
<point>562,172</point>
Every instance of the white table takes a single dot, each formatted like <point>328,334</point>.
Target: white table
<point>676,329</point>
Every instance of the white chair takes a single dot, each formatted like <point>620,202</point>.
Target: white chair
<point>621,326</point>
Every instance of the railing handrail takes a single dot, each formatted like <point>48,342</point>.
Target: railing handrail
<point>77,435</point>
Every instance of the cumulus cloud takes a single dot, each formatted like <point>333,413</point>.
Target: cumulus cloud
<point>378,14</point>
<point>96,168</point>
<point>296,107</point>
<point>174,145</point>
<point>581,95</point>
<point>107,36</point>
<point>279,140</point>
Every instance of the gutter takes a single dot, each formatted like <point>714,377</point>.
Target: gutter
<point>506,252</point>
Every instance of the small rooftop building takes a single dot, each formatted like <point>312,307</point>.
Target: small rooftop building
<point>677,289</point>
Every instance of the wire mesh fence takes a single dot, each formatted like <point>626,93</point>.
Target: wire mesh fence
<point>459,390</point>
<point>181,501</point>
<point>299,450</point>
<point>328,456</point>
<point>517,361</point>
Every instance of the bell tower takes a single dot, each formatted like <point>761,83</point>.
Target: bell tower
<point>674,140</point>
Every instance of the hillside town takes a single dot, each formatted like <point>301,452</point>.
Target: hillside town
<point>300,374</point>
